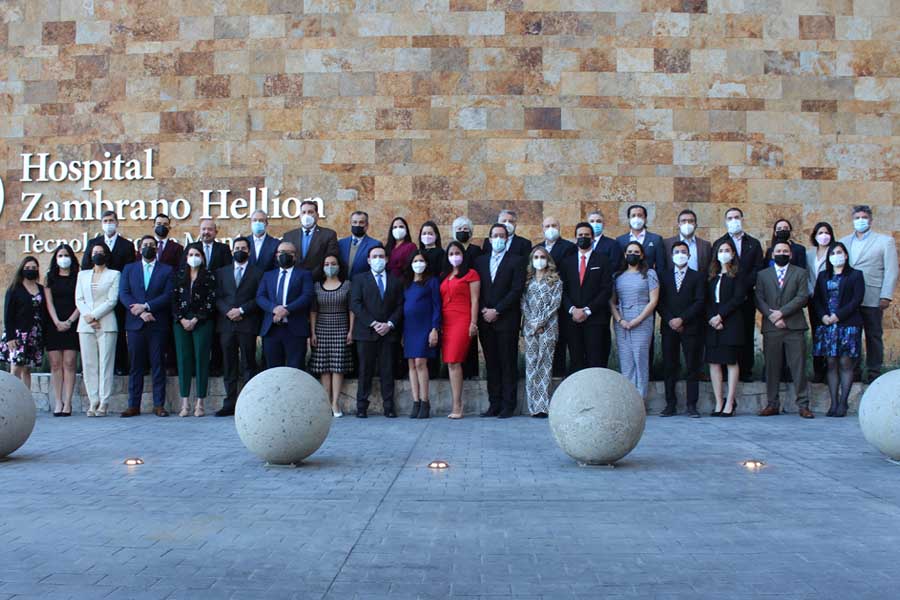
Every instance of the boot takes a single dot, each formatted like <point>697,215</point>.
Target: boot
<point>415,410</point>
<point>424,410</point>
<point>841,409</point>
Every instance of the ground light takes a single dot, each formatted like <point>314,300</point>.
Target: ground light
<point>753,465</point>
<point>133,462</point>
<point>438,464</point>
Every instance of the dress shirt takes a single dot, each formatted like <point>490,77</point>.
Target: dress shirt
<point>383,276</point>
<point>110,241</point>
<point>496,259</point>
<point>692,247</point>
<point>736,240</point>
<point>258,242</point>
<point>637,238</point>
<point>587,260</point>
<point>243,271</point>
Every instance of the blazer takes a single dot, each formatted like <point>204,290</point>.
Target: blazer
<point>323,242</point>
<point>876,257</point>
<point>300,296</point>
<point>122,253</point>
<point>504,293</point>
<point>107,297</point>
<point>518,246</point>
<point>594,293</point>
<point>158,295</point>
<point>360,262</point>
<point>19,310</point>
<point>790,299</point>
<point>732,295</point>
<point>368,306</point>
<point>704,254</point>
<point>851,291</point>
<point>197,301</point>
<point>561,249</point>
<point>750,262</point>
<point>811,269</point>
<point>688,303</point>
<point>266,259</point>
<point>654,249</point>
<point>229,296</point>
<point>171,254</point>
<point>611,248</point>
<point>798,256</point>
<point>219,257</point>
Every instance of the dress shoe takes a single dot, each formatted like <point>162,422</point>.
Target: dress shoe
<point>121,372</point>
<point>390,414</point>
<point>725,414</point>
<point>57,414</point>
<point>668,411</point>
<point>160,411</point>
<point>65,414</point>
<point>716,413</point>
<point>101,412</point>
<point>130,412</point>
<point>832,409</point>
<point>539,415</point>
<point>489,413</point>
<point>337,414</point>
<point>806,413</point>
<point>361,414</point>
<point>505,414</point>
<point>415,410</point>
<point>770,411</point>
<point>841,410</point>
<point>225,411</point>
<point>424,410</point>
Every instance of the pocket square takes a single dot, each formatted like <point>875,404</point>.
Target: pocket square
<point>594,268</point>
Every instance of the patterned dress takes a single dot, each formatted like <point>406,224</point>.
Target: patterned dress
<point>633,294</point>
<point>836,339</point>
<point>29,332</point>
<point>332,308</point>
<point>540,307</point>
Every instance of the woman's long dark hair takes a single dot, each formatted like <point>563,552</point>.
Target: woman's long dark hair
<point>815,231</point>
<point>18,277</point>
<point>715,268</point>
<point>463,267</point>
<point>642,266</point>
<point>184,273</point>
<point>775,233</point>
<point>53,272</point>
<point>437,235</point>
<point>391,242</point>
<point>409,275</point>
<point>829,268</point>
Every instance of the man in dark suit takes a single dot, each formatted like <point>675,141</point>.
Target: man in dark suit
<point>603,243</point>
<point>238,320</point>
<point>145,290</point>
<point>354,248</point>
<point>587,288</point>
<point>168,250</point>
<point>376,299</point>
<point>502,276</point>
<point>750,262</point>
<point>654,250</point>
<point>516,244</point>
<point>681,308</point>
<point>313,243</point>
<point>285,295</point>
<point>217,255</point>
<point>121,253</point>
<point>782,292</point>
<point>700,250</point>
<point>262,245</point>
<point>559,248</point>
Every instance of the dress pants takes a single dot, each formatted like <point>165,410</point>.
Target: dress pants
<point>501,360</point>
<point>378,353</point>
<point>122,351</point>
<point>560,365</point>
<point>192,349</point>
<point>872,325</point>
<point>147,345</point>
<point>98,356</point>
<point>789,345</point>
<point>747,350</point>
<point>589,345</point>
<point>283,349</point>
<point>238,357</point>
<point>673,344</point>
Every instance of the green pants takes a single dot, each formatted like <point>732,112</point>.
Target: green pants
<point>193,351</point>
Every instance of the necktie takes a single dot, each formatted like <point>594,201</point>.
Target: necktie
<point>354,241</point>
<point>279,291</point>
<point>208,253</point>
<point>495,264</point>
<point>307,235</point>
<point>781,274</point>
<point>380,281</point>
<point>147,273</point>
<point>353,247</point>
<point>582,268</point>
<point>679,279</point>
<point>238,275</point>
<point>161,246</point>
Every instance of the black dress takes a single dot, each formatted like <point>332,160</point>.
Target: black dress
<point>435,258</point>
<point>722,346</point>
<point>63,290</point>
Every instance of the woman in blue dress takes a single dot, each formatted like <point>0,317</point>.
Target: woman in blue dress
<point>838,295</point>
<point>421,323</point>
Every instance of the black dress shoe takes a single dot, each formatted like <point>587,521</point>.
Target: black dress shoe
<point>668,411</point>
<point>692,412</point>
<point>489,413</point>
<point>57,414</point>
<point>225,412</point>
<point>66,414</point>
<point>415,410</point>
<point>121,372</point>
<point>361,414</point>
<point>505,414</point>
<point>390,414</point>
<point>540,415</point>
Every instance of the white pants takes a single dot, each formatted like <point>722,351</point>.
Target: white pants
<point>98,357</point>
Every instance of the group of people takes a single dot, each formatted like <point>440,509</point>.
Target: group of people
<point>411,304</point>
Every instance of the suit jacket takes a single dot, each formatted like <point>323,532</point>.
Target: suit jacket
<point>266,259</point>
<point>593,293</point>
<point>229,296</point>
<point>518,246</point>
<point>811,270</point>
<point>751,260</point>
<point>611,248</point>
<point>368,306</point>
<point>219,257</point>
<point>704,253</point>
<point>171,254</point>
<point>790,299</point>
<point>107,298</point>
<point>121,254</point>
<point>158,295</point>
<point>360,263</point>
<point>876,257</point>
<point>798,256</point>
<point>300,295</point>
<point>654,248</point>
<point>504,293</point>
<point>323,242</point>
<point>732,296</point>
<point>688,303</point>
<point>851,292</point>
<point>561,249</point>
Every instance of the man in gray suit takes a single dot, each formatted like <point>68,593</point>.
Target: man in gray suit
<point>782,292</point>
<point>700,249</point>
<point>875,254</point>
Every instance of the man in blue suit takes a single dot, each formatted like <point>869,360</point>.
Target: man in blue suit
<point>354,249</point>
<point>285,295</point>
<point>263,246</point>
<point>145,290</point>
<point>603,243</point>
<point>654,249</point>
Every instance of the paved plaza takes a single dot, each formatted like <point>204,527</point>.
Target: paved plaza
<point>512,516</point>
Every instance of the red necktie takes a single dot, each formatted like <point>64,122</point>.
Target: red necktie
<point>582,268</point>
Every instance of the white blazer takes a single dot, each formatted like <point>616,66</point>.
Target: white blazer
<point>107,295</point>
<point>876,257</point>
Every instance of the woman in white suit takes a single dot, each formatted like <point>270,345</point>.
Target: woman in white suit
<point>96,294</point>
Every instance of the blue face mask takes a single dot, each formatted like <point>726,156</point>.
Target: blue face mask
<point>498,244</point>
<point>257,227</point>
<point>861,225</point>
<point>598,228</point>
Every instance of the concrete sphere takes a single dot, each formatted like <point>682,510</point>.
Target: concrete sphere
<point>283,415</point>
<point>597,416</point>
<point>17,413</point>
<point>879,414</point>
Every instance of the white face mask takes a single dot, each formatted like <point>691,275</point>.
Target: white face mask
<point>64,262</point>
<point>539,264</point>
<point>680,259</point>
<point>823,239</point>
<point>428,238</point>
<point>734,226</point>
<point>637,223</point>
<point>551,234</point>
<point>109,229</point>
<point>377,264</point>
<point>725,258</point>
<point>861,225</point>
<point>687,229</point>
<point>455,259</point>
<point>837,260</point>
<point>399,233</point>
<point>510,227</point>
<point>194,261</point>
<point>307,221</point>
<point>418,267</point>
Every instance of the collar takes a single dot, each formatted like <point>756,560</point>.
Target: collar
<point>305,230</point>
<point>112,240</point>
<point>736,236</point>
<point>864,236</point>
<point>238,265</point>
<point>149,264</point>
<point>260,238</point>
<point>684,268</point>
<point>636,236</point>
<point>289,271</point>
<point>690,240</point>
<point>374,274</point>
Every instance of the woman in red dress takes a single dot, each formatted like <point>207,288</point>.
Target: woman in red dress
<point>459,299</point>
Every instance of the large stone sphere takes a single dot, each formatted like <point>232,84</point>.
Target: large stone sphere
<point>17,413</point>
<point>597,416</point>
<point>879,414</point>
<point>283,415</point>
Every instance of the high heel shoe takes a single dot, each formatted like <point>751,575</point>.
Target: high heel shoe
<point>716,413</point>
<point>729,414</point>
<point>841,410</point>
<point>198,409</point>
<point>185,411</point>
<point>424,410</point>
<point>415,410</point>
<point>101,412</point>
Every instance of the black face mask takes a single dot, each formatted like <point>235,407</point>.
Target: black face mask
<point>99,259</point>
<point>161,230</point>
<point>463,236</point>
<point>584,242</point>
<point>240,256</point>
<point>285,261</point>
<point>632,260</point>
<point>148,252</point>
<point>781,259</point>
<point>782,236</point>
<point>357,230</point>
<point>30,274</point>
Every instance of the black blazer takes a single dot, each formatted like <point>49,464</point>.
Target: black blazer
<point>612,249</point>
<point>436,258</point>
<point>851,291</point>
<point>798,256</point>
<point>18,310</point>
<point>244,296</point>
<point>266,260</point>
<point>198,300</point>
<point>504,293</point>
<point>561,249</point>
<point>368,306</point>
<point>219,257</point>
<point>122,253</point>
<point>751,261</point>
<point>171,253</point>
<point>518,245</point>
<point>732,295</point>
<point>594,293</point>
<point>686,303</point>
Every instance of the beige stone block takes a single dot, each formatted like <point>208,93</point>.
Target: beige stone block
<point>487,23</point>
<point>579,84</point>
<point>266,26</point>
<point>143,88</point>
<point>709,60</point>
<point>852,28</point>
<point>872,8</point>
<point>634,59</point>
<point>12,126</point>
<point>392,188</point>
<point>876,88</point>
<point>227,62</point>
<point>92,32</point>
<point>671,24</point>
<point>727,153</point>
<point>654,190</point>
<point>690,153</point>
<point>141,123</point>
<point>656,120</point>
<point>25,33</point>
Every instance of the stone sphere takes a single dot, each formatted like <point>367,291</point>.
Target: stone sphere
<point>17,413</point>
<point>597,416</point>
<point>879,414</point>
<point>283,415</point>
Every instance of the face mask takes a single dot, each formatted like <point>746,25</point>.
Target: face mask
<point>240,256</point>
<point>455,259</point>
<point>584,242</point>
<point>636,223</point>
<point>109,229</point>
<point>258,227</point>
<point>307,221</point>
<point>782,236</point>
<point>331,270</point>
<point>861,225</point>
<point>285,261</point>
<point>194,261</point>
<point>734,226</point>
<point>99,259</point>
<point>539,264</point>
<point>551,234</point>
<point>687,229</point>
<point>680,259</point>
<point>418,267</point>
<point>632,260</point>
<point>837,260</point>
<point>498,244</point>
<point>149,253</point>
<point>377,264</point>
<point>399,233</point>
<point>510,227</point>
<point>428,238</point>
<point>463,236</point>
<point>823,239</point>
<point>30,274</point>
<point>64,262</point>
<point>598,228</point>
<point>357,230</point>
<point>724,257</point>
<point>161,230</point>
<point>781,259</point>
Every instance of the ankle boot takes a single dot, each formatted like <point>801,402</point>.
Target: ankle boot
<point>425,410</point>
<point>415,410</point>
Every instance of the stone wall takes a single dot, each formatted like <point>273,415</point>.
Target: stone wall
<point>438,108</point>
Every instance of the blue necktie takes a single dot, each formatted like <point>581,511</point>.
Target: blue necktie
<point>147,273</point>
<point>279,292</point>
<point>307,236</point>
<point>378,278</point>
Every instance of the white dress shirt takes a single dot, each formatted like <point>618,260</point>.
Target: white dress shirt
<point>258,242</point>
<point>111,241</point>
<point>692,247</point>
